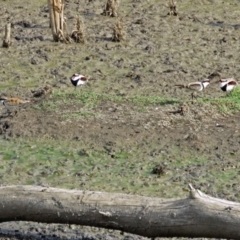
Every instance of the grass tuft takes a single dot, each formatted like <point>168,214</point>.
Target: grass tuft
<point>79,34</point>
<point>110,8</point>
<point>173,8</point>
<point>118,32</point>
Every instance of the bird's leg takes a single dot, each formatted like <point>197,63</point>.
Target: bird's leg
<point>228,94</point>
<point>192,95</point>
<point>203,94</point>
<point>8,112</point>
<point>7,108</point>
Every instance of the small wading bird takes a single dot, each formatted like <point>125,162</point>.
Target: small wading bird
<point>78,80</point>
<point>195,86</point>
<point>12,103</point>
<point>227,84</point>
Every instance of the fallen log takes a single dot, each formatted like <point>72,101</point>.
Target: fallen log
<point>199,215</point>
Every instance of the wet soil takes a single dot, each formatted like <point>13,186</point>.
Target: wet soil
<point>159,52</point>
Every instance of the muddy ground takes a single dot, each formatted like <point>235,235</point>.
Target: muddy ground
<point>159,52</point>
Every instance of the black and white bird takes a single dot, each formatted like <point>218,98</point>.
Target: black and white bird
<point>78,80</point>
<point>195,86</point>
<point>227,84</point>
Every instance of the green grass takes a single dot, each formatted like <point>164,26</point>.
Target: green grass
<point>145,101</point>
<point>230,103</point>
<point>63,164</point>
<point>90,99</point>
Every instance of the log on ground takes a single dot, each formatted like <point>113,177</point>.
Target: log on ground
<point>199,215</point>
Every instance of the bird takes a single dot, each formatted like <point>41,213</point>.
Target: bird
<point>214,75</point>
<point>227,84</point>
<point>12,103</point>
<point>195,86</point>
<point>78,80</point>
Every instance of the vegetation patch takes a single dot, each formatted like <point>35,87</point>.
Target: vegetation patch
<point>90,99</point>
<point>118,32</point>
<point>79,34</point>
<point>145,101</point>
<point>110,8</point>
<point>230,103</point>
<point>71,165</point>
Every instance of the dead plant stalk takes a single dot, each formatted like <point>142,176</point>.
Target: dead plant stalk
<point>110,8</point>
<point>7,38</point>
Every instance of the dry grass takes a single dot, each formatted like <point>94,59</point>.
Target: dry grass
<point>63,36</point>
<point>110,8</point>
<point>7,39</point>
<point>173,8</point>
<point>79,34</point>
<point>118,32</point>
